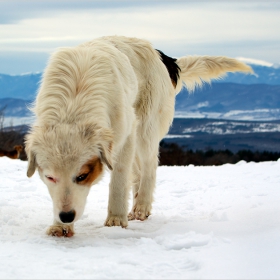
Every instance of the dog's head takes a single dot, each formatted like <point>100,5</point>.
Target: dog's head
<point>69,159</point>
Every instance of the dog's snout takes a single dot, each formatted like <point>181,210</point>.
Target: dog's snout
<point>67,217</point>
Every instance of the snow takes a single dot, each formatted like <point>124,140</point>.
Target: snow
<point>168,136</point>
<point>14,121</point>
<point>249,115</point>
<point>231,127</point>
<point>28,73</point>
<point>255,61</point>
<point>207,222</point>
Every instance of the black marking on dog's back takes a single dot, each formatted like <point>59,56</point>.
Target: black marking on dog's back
<point>172,67</point>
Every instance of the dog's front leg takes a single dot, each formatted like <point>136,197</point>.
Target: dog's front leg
<point>61,230</point>
<point>120,185</point>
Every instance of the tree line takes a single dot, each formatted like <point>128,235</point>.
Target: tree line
<point>172,154</point>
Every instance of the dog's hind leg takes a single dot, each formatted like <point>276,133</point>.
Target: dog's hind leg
<point>120,185</point>
<point>136,179</point>
<point>144,188</point>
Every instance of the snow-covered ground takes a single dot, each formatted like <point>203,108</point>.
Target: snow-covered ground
<point>231,127</point>
<point>238,115</point>
<point>207,222</point>
<point>14,121</point>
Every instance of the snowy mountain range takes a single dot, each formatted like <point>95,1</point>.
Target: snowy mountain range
<point>265,73</point>
<point>20,86</point>
<point>231,101</point>
<point>237,96</point>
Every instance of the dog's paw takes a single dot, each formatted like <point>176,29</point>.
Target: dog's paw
<point>140,212</point>
<point>131,216</point>
<point>113,220</point>
<point>60,231</point>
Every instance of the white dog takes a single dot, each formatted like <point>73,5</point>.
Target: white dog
<point>109,102</point>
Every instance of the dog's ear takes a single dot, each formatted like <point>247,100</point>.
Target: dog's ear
<point>105,147</point>
<point>31,164</point>
<point>29,149</point>
<point>103,138</point>
<point>106,159</point>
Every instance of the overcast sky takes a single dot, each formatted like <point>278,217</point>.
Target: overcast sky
<point>31,30</point>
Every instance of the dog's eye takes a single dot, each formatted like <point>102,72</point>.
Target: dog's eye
<point>81,178</point>
<point>51,179</point>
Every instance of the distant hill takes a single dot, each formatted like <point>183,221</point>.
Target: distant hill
<point>204,134</point>
<point>263,75</point>
<point>20,86</point>
<point>236,96</point>
<point>25,86</point>
<point>14,107</point>
<point>224,97</point>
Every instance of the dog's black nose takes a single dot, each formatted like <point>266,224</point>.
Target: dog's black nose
<point>67,217</point>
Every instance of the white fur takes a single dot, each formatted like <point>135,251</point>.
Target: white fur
<point>112,98</point>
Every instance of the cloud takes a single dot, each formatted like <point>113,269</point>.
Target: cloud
<point>15,63</point>
<point>12,11</point>
<point>179,27</point>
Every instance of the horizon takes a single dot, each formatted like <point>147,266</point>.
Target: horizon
<point>31,30</point>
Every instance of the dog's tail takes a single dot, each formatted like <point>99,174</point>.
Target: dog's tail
<point>195,70</point>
